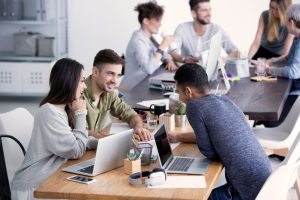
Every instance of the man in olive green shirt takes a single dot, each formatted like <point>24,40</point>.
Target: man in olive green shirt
<point>102,100</point>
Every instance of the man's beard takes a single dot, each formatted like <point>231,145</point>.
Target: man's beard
<point>201,21</point>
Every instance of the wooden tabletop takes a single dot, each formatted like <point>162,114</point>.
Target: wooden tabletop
<point>259,100</point>
<point>114,184</point>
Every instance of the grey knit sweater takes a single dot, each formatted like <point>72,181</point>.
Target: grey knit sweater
<point>222,133</point>
<point>52,143</point>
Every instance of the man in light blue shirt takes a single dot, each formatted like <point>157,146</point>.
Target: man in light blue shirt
<point>143,54</point>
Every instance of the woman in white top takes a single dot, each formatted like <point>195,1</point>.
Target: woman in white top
<point>143,54</point>
<point>58,132</point>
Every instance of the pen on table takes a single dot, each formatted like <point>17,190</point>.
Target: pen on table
<point>140,155</point>
<point>134,142</point>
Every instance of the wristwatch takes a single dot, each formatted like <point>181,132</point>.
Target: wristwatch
<point>161,52</point>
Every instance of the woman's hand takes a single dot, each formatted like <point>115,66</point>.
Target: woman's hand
<point>78,105</point>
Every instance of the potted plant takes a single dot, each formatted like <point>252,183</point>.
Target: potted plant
<point>180,115</point>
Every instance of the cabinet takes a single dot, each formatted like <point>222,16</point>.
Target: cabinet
<point>29,74</point>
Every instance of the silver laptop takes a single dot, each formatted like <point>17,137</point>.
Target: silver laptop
<point>176,164</point>
<point>110,153</point>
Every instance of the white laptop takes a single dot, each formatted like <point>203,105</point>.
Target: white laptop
<point>176,164</point>
<point>110,153</point>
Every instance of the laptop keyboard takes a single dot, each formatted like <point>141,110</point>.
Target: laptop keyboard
<point>88,170</point>
<point>181,164</point>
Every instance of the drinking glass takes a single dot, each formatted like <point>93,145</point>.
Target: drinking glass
<point>261,67</point>
<point>152,121</point>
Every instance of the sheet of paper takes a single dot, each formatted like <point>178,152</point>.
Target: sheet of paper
<point>191,181</point>
<point>148,103</point>
<point>118,128</point>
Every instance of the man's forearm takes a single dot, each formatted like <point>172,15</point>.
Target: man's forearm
<point>280,62</point>
<point>189,137</point>
<point>136,122</point>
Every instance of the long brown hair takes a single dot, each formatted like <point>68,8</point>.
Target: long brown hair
<point>64,80</point>
<point>274,22</point>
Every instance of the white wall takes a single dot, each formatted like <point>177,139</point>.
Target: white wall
<point>94,24</point>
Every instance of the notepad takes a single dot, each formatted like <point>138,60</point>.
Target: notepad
<point>183,182</point>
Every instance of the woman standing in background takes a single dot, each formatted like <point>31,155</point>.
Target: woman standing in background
<point>144,55</point>
<point>272,38</point>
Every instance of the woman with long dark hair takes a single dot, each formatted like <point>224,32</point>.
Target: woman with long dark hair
<point>59,130</point>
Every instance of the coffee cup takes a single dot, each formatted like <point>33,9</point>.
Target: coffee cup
<point>158,108</point>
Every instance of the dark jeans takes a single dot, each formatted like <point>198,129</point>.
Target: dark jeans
<point>285,111</point>
<point>264,53</point>
<point>224,192</point>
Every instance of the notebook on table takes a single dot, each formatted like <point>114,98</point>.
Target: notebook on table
<point>176,164</point>
<point>110,153</point>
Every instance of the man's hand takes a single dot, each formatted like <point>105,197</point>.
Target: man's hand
<point>142,134</point>
<point>172,137</point>
<point>191,59</point>
<point>170,65</point>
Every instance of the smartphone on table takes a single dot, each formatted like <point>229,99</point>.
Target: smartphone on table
<point>81,179</point>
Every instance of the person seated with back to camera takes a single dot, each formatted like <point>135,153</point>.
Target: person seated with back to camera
<point>272,37</point>
<point>223,134</point>
<point>59,130</point>
<point>144,55</point>
<point>193,38</point>
<point>288,66</point>
<point>102,100</point>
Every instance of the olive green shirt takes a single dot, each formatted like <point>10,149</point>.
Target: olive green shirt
<point>109,103</point>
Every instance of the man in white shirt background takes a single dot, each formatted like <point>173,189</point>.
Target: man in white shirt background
<point>193,38</point>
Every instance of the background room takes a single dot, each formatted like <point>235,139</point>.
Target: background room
<point>93,25</point>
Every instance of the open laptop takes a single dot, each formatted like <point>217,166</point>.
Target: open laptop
<point>110,154</point>
<point>176,164</point>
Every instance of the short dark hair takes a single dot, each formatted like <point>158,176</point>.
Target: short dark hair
<point>149,10</point>
<point>191,74</point>
<point>64,80</point>
<point>194,4</point>
<point>107,56</point>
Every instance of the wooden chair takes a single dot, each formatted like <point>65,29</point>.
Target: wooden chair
<point>278,140</point>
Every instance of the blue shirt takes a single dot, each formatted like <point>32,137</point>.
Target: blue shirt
<point>292,69</point>
<point>222,133</point>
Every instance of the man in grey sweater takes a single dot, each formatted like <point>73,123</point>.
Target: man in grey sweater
<point>223,134</point>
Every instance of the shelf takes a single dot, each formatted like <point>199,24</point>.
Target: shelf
<point>9,56</point>
<point>27,22</point>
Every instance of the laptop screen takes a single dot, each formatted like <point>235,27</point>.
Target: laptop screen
<point>163,145</point>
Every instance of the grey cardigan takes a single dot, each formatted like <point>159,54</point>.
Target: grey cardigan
<point>52,143</point>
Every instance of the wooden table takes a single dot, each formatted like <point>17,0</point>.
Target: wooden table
<point>259,100</point>
<point>114,184</point>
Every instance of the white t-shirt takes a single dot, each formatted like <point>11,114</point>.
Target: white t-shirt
<point>189,43</point>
